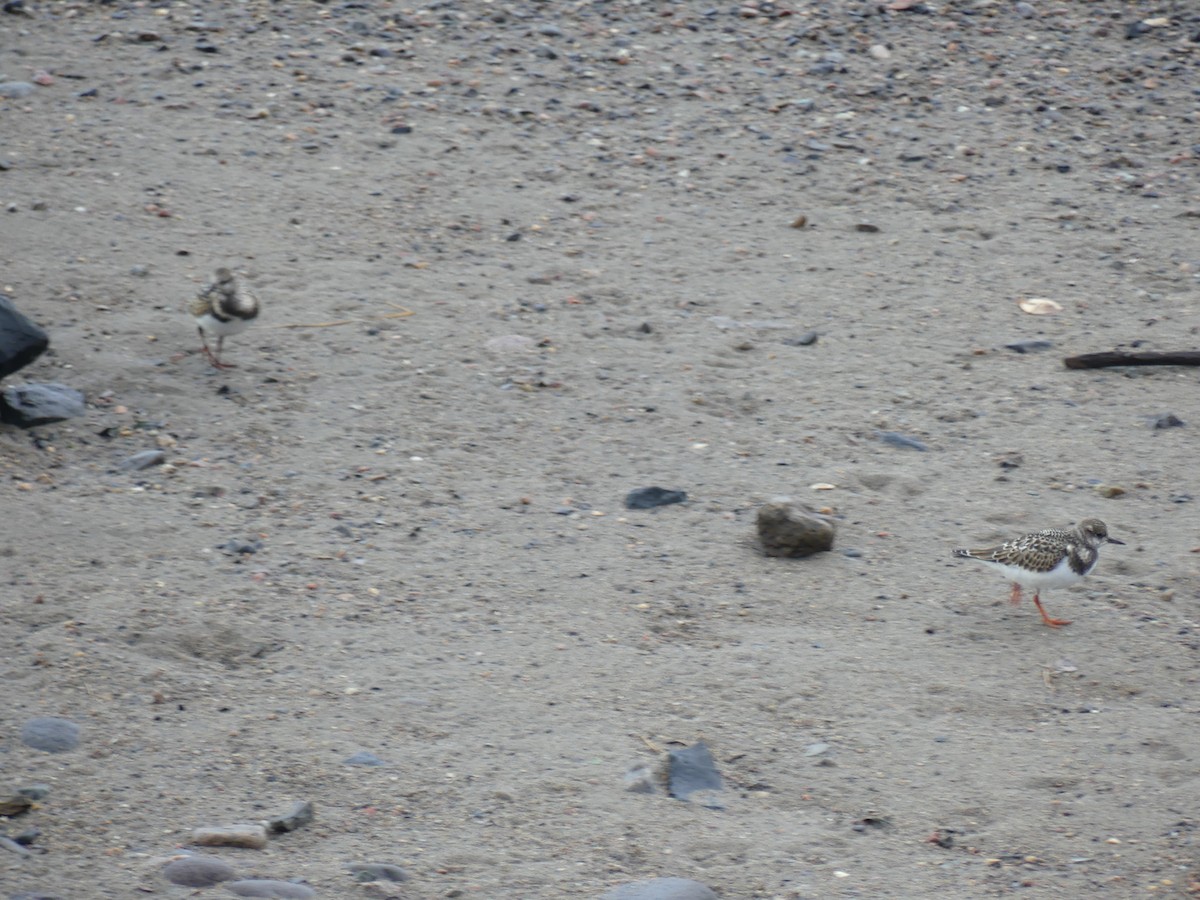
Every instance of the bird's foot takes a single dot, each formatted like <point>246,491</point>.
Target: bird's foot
<point>1053,623</point>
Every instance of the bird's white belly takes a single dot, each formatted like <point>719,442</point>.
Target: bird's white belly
<point>1060,576</point>
<point>214,326</point>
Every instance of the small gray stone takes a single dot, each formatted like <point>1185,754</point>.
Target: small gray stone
<point>27,405</point>
<point>1030,346</point>
<point>1168,420</point>
<point>363,758</point>
<point>264,887</point>
<point>661,889</point>
<point>788,528</point>
<point>650,497</point>
<point>198,871</point>
<point>50,734</point>
<point>802,340</point>
<point>298,816</point>
<point>16,90</point>
<point>690,770</point>
<point>143,460</point>
<point>815,749</point>
<point>641,780</point>
<point>376,872</point>
<point>896,439</point>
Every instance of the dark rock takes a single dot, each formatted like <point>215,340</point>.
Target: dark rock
<point>50,734</point>
<point>691,769</point>
<point>28,405</point>
<point>300,814</point>
<point>14,805</point>
<point>263,887</point>
<point>1030,346</point>
<point>198,871</point>
<point>661,889</point>
<point>1168,420</point>
<point>650,497</point>
<point>376,872</point>
<point>788,528</point>
<point>21,341</point>
<point>896,439</point>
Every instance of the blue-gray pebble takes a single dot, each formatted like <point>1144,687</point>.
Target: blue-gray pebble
<point>50,734</point>
<point>198,871</point>
<point>262,887</point>
<point>376,872</point>
<point>661,889</point>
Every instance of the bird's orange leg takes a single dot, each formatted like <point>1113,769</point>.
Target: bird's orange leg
<point>1053,623</point>
<point>1015,599</point>
<point>214,358</point>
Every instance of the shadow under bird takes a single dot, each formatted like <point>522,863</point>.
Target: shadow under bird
<point>223,308</point>
<point>1047,559</point>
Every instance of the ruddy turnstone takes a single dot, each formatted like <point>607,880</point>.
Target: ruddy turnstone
<point>221,309</point>
<point>1046,559</point>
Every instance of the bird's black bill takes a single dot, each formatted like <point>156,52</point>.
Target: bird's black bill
<point>1115,541</point>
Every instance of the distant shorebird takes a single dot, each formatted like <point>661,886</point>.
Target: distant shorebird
<point>221,309</point>
<point>1046,559</point>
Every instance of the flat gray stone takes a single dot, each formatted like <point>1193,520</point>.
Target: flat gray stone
<point>263,887</point>
<point>661,889</point>
<point>27,405</point>
<point>377,872</point>
<point>50,734</point>
<point>198,871</point>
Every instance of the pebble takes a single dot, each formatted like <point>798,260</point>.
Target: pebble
<point>802,340</point>
<point>50,734</point>
<point>363,758</point>
<point>253,837</point>
<point>1168,420</point>
<point>815,749</point>
<point>377,872</point>
<point>16,90</point>
<point>1030,346</point>
<point>300,814</point>
<point>641,780</point>
<point>690,770</point>
<point>27,405</point>
<point>788,528</point>
<point>198,871</point>
<point>21,341</point>
<point>265,887</point>
<point>14,804</point>
<point>143,460</point>
<point>896,439</point>
<point>650,497</point>
<point>661,889</point>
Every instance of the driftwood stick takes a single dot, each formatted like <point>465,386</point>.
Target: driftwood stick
<point>1134,358</point>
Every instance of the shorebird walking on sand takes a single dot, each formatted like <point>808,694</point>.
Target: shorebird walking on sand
<point>1046,559</point>
<point>223,308</point>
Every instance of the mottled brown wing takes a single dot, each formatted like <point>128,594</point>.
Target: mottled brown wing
<point>201,304</point>
<point>1038,552</point>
